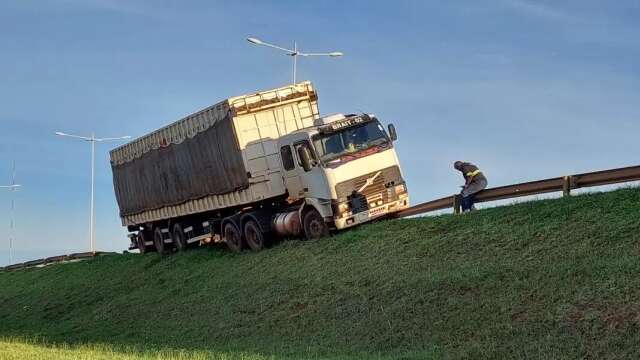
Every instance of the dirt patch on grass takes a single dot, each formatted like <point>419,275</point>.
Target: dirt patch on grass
<point>520,316</point>
<point>612,317</point>
<point>622,316</point>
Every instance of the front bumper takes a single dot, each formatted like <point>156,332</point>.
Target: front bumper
<point>371,214</point>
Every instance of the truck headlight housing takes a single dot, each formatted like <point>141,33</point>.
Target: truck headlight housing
<point>343,208</point>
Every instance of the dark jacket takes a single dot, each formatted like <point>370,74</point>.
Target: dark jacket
<point>471,173</point>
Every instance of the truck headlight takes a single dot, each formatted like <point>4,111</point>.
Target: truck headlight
<point>400,189</point>
<point>343,207</point>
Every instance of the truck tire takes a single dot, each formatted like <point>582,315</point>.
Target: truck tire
<point>314,225</point>
<point>254,236</point>
<point>179,239</point>
<point>141,240</point>
<point>158,240</point>
<point>232,237</point>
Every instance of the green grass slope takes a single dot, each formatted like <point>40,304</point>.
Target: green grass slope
<point>546,279</point>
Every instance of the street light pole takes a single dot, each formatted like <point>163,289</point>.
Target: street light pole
<point>295,60</point>
<point>93,139</point>
<point>12,187</point>
<point>293,53</point>
<point>93,178</point>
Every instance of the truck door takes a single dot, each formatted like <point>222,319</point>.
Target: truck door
<point>311,180</point>
<point>291,173</point>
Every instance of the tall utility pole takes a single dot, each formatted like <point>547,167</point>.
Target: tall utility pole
<point>293,53</point>
<point>12,187</point>
<point>93,139</point>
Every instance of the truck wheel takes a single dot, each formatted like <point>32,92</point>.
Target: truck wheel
<point>141,240</point>
<point>254,236</point>
<point>314,225</point>
<point>232,237</point>
<point>179,239</point>
<point>158,240</point>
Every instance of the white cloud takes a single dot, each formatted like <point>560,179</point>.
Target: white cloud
<point>539,9</point>
<point>581,24</point>
<point>119,6</point>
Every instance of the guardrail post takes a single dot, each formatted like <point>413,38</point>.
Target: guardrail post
<point>566,186</point>
<point>456,204</point>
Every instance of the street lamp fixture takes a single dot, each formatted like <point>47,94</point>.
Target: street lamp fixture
<point>11,187</point>
<point>93,139</point>
<point>293,52</point>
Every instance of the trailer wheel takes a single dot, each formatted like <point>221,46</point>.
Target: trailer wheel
<point>314,225</point>
<point>179,240</point>
<point>232,237</point>
<point>158,240</point>
<point>254,236</point>
<point>141,241</point>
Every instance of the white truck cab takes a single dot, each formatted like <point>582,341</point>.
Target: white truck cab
<point>346,168</point>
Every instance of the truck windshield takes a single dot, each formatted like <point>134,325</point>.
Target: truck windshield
<point>351,140</point>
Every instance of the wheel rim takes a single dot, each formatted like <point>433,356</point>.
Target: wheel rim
<point>141,244</point>
<point>159,241</point>
<point>178,236</point>
<point>256,242</point>
<point>179,241</point>
<point>316,227</point>
<point>232,237</point>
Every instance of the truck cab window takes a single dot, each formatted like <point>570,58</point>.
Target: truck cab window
<point>287,158</point>
<point>333,146</point>
<point>300,147</point>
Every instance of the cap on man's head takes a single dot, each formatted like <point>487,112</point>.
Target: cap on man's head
<point>457,165</point>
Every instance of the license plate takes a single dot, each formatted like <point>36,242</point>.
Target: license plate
<point>377,211</point>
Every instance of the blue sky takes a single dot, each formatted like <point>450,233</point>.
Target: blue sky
<point>526,89</point>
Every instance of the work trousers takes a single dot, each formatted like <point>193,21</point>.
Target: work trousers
<point>467,197</point>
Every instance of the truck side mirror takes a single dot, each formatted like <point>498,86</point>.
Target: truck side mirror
<point>392,132</point>
<point>305,157</point>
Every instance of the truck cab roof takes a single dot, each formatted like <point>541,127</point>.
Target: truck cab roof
<point>333,122</point>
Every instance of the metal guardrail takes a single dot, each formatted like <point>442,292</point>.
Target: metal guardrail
<point>564,184</point>
<point>54,259</point>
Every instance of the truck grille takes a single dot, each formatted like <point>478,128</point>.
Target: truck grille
<point>373,192</point>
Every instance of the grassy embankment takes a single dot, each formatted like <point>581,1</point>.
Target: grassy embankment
<point>547,279</point>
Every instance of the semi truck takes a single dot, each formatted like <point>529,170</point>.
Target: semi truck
<point>253,168</point>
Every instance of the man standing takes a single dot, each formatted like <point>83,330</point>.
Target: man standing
<point>474,182</point>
